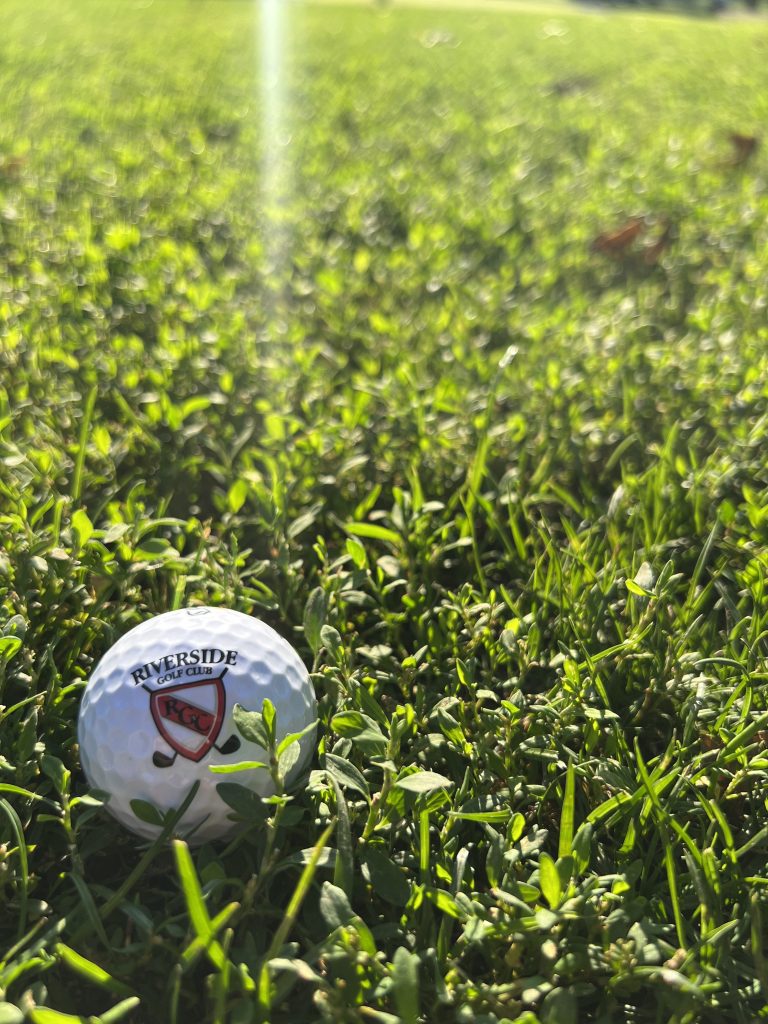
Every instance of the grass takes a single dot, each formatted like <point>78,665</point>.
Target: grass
<point>506,495</point>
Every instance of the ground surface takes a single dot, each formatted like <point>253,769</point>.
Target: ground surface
<point>400,379</point>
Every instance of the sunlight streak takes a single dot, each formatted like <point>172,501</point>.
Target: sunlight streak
<point>275,164</point>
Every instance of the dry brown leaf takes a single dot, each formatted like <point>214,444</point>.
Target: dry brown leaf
<point>744,146</point>
<point>572,84</point>
<point>615,243</point>
<point>12,166</point>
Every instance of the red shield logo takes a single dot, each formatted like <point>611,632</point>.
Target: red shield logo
<point>189,716</point>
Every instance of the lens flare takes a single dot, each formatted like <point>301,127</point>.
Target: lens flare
<point>272,41</point>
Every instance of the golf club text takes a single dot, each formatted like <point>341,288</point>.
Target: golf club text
<point>186,659</point>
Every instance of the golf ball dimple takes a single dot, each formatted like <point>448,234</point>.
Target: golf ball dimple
<point>156,714</point>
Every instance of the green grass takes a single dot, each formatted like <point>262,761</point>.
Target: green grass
<point>507,496</point>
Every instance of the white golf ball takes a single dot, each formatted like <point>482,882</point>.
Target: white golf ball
<point>157,713</point>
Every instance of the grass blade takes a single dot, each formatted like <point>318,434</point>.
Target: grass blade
<point>283,930</point>
<point>198,913</point>
<point>21,846</point>
<point>82,444</point>
<point>568,813</point>
<point>91,971</point>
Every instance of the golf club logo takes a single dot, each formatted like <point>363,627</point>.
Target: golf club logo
<point>188,713</point>
<point>189,716</point>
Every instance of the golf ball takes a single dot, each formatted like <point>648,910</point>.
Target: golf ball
<point>157,713</point>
